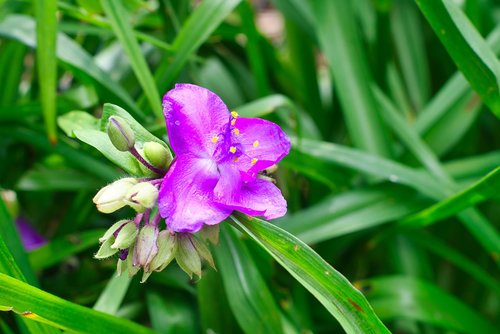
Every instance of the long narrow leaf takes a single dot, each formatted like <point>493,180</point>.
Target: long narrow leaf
<point>332,289</point>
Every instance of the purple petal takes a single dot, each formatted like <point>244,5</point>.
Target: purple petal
<point>263,144</point>
<point>195,117</point>
<point>229,184</point>
<point>258,198</point>
<point>30,238</point>
<point>186,195</point>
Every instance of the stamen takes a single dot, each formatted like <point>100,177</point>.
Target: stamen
<point>254,161</point>
<point>233,122</point>
<point>236,131</point>
<point>236,159</point>
<point>214,139</point>
<point>232,149</point>
<point>234,114</point>
<point>256,143</point>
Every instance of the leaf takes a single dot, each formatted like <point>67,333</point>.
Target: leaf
<point>46,32</point>
<point>75,120</point>
<point>332,289</point>
<point>395,297</point>
<point>248,294</point>
<point>118,17</point>
<point>112,296</point>
<point>170,314</point>
<point>49,179</point>
<point>62,248</point>
<point>482,190</point>
<point>101,142</point>
<point>44,307</point>
<point>347,60</point>
<point>22,29</point>
<point>467,48</point>
<point>201,23</point>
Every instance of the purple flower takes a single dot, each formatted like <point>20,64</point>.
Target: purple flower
<point>30,238</point>
<point>218,157</point>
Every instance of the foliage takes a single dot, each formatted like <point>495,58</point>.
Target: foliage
<point>392,181</point>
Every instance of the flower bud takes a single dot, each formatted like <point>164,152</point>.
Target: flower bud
<point>105,250</point>
<point>187,257</point>
<point>110,198</point>
<point>157,154</point>
<point>142,196</point>
<point>211,232</point>
<point>131,267</point>
<point>126,236</point>
<point>145,247</point>
<point>203,251</point>
<point>167,244</point>
<point>120,133</point>
<point>115,227</point>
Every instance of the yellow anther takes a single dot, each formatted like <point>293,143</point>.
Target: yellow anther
<point>236,159</point>
<point>254,161</point>
<point>234,114</point>
<point>236,131</point>
<point>256,143</point>
<point>233,122</point>
<point>214,139</point>
<point>232,149</point>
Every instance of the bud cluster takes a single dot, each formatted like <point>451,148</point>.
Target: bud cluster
<point>140,243</point>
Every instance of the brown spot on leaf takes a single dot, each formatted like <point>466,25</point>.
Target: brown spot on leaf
<point>356,306</point>
<point>28,314</point>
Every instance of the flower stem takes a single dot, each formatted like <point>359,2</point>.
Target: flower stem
<point>143,161</point>
<point>156,219</point>
<point>138,218</point>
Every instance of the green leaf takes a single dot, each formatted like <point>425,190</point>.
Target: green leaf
<point>75,120</point>
<point>396,297</point>
<point>46,32</point>
<point>22,29</point>
<point>101,142</point>
<point>466,47</point>
<point>121,26</point>
<point>202,22</point>
<point>347,60</point>
<point>44,307</point>
<point>332,289</point>
<point>480,191</point>
<point>248,294</point>
<point>170,314</point>
<point>112,296</point>
<point>62,248</point>
<point>49,179</point>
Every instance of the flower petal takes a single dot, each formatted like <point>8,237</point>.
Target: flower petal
<point>195,117</point>
<point>186,195</point>
<point>263,144</point>
<point>257,198</point>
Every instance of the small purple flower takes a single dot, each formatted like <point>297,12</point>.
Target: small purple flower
<point>218,157</point>
<point>30,238</point>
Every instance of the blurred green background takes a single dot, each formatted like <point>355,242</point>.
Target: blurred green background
<point>393,178</point>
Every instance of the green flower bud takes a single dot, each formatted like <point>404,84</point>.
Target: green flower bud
<point>145,247</point>
<point>120,133</point>
<point>167,244</point>
<point>112,229</point>
<point>187,257</point>
<point>142,196</point>
<point>157,154</point>
<point>105,250</point>
<point>211,232</point>
<point>203,251</point>
<point>110,198</point>
<point>126,236</point>
<point>131,267</point>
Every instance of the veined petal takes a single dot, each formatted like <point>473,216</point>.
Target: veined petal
<point>195,119</point>
<point>229,184</point>
<point>263,144</point>
<point>257,198</point>
<point>186,195</point>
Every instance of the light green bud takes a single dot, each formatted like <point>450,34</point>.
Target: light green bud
<point>126,236</point>
<point>157,154</point>
<point>187,257</point>
<point>105,250</point>
<point>110,198</point>
<point>210,232</point>
<point>142,196</point>
<point>145,247</point>
<point>112,229</point>
<point>120,133</point>
<point>203,251</point>
<point>167,244</point>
